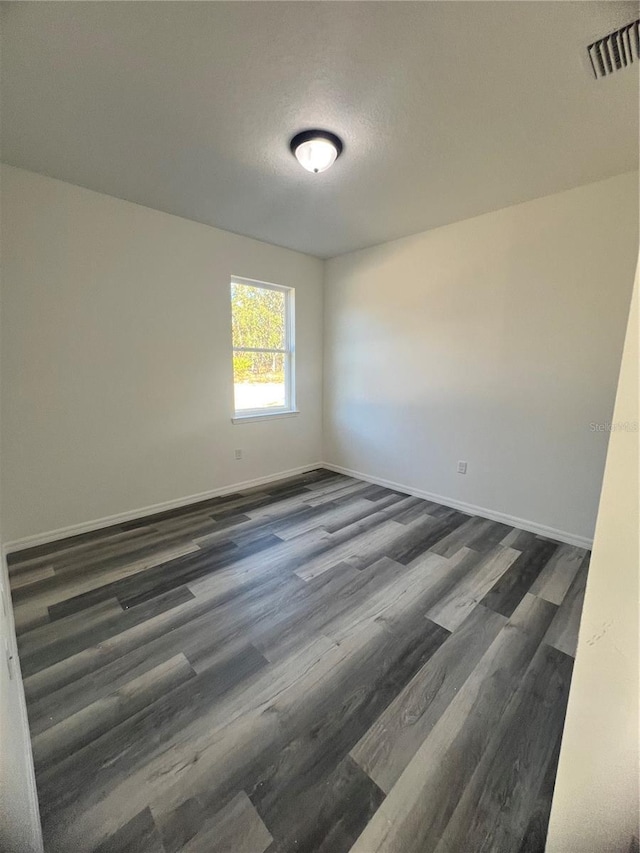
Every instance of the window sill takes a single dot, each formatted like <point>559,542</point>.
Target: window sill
<point>266,416</point>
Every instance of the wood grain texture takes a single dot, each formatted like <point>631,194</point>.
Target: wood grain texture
<point>316,665</point>
<point>554,580</point>
<point>515,583</point>
<point>105,713</point>
<point>484,572</point>
<point>140,834</point>
<point>236,828</point>
<point>563,632</point>
<point>416,812</point>
<point>392,741</point>
<point>535,835</point>
<point>496,806</point>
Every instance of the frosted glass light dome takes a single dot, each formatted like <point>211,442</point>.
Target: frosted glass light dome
<point>316,150</point>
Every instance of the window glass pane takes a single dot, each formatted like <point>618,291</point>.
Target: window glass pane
<point>259,317</point>
<point>258,380</point>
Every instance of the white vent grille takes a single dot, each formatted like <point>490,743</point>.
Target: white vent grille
<point>615,51</point>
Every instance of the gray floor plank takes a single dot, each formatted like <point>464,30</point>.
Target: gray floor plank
<point>300,667</point>
<point>563,632</point>
<point>236,828</point>
<point>421,803</point>
<point>392,741</point>
<point>461,536</point>
<point>30,576</point>
<point>535,834</point>
<point>79,729</point>
<point>557,576</point>
<point>494,810</point>
<point>509,590</point>
<point>484,572</point>
<point>139,835</point>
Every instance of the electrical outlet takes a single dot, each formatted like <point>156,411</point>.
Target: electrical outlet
<point>462,467</point>
<point>238,454</point>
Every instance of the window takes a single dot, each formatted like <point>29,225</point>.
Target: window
<point>263,351</point>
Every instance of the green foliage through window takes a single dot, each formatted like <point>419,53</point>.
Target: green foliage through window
<point>258,317</point>
<point>259,322</point>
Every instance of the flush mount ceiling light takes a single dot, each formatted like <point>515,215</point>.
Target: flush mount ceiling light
<point>316,150</point>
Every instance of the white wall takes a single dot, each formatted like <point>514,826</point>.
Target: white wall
<point>595,807</point>
<point>19,818</point>
<point>116,351</point>
<point>496,340</point>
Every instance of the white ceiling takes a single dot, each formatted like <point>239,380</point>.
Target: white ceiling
<point>447,109</point>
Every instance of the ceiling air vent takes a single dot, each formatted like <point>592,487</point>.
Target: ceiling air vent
<point>616,50</point>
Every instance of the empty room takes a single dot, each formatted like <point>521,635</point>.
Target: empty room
<point>319,426</point>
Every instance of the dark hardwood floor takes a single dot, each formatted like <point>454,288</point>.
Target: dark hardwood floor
<point>316,665</point>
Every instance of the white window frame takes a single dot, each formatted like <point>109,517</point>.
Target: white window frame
<point>289,408</point>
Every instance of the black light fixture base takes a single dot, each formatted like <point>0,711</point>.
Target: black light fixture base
<point>306,135</point>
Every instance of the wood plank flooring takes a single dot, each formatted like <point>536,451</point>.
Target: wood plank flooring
<point>318,665</point>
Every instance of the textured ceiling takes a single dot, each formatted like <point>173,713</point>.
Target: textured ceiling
<point>447,109</point>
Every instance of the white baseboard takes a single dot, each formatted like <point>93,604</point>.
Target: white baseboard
<point>472,509</point>
<point>135,514</point>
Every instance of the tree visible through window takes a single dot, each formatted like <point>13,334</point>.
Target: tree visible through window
<point>262,321</point>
